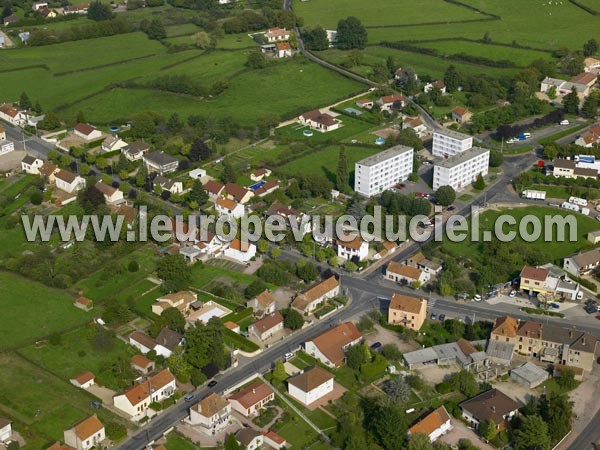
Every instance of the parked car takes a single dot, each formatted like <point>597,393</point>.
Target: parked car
<point>511,141</point>
<point>442,317</point>
<point>288,356</point>
<point>433,316</point>
<point>590,309</point>
<point>564,122</point>
<point>189,397</point>
<point>477,298</point>
<point>598,217</point>
<point>554,306</point>
<point>400,186</point>
<point>451,208</point>
<point>427,163</point>
<point>556,205</point>
<point>212,383</point>
<point>375,345</point>
<point>512,294</point>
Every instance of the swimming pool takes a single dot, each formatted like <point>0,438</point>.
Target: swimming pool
<point>258,185</point>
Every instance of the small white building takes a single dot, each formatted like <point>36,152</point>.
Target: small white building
<point>461,170</point>
<point>5,429</point>
<point>6,146</point>
<point>240,251</point>
<point>136,400</point>
<point>196,174</point>
<point>87,132</point>
<point>227,207</point>
<point>381,171</point>
<point>434,425</point>
<point>354,248</point>
<point>112,195</point>
<point>113,143</point>
<point>31,164</point>
<point>68,181</point>
<point>402,273</point>
<point>86,434</point>
<point>310,386</point>
<point>84,380</point>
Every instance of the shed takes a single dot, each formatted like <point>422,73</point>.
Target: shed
<point>529,375</point>
<point>594,237</point>
<point>422,356</point>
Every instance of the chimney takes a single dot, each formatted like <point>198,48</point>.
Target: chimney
<point>253,390</point>
<point>494,408</point>
<point>583,340</point>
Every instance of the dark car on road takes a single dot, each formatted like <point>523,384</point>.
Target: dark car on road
<point>375,345</point>
<point>212,383</point>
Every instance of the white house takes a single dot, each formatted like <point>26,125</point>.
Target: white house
<point>196,174</point>
<point>214,189</point>
<point>436,84</point>
<point>319,121</point>
<point>87,132</point>
<point>112,196</point>
<point>167,184</point>
<point>68,181</point>
<point>240,251</point>
<point>267,326</point>
<point>390,102</point>
<point>160,163</point>
<point>138,398</point>
<point>251,399</point>
<point>12,115</point>
<point>582,263</point>
<point>259,174</point>
<point>283,50</point>
<point>227,207</point>
<point>86,434</point>
<point>5,429</point>
<point>6,146</point>
<point>309,299</point>
<point>354,248</point>
<point>38,6</point>
<point>167,341</point>
<point>277,35</point>
<point>434,425</point>
<point>492,405</point>
<point>135,151</point>
<point>401,273</point>
<point>274,440</point>
<point>212,413</point>
<point>416,124</point>
<point>84,380</point>
<point>310,386</point>
<point>142,341</point>
<point>113,143</point>
<point>249,438</point>
<point>262,304</point>
<point>31,164</point>
<point>330,347</point>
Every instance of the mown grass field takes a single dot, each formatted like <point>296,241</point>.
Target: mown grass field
<point>31,310</point>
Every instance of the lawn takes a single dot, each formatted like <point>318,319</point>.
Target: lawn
<point>556,250</point>
<point>295,430</point>
<point>41,404</point>
<point>176,441</point>
<point>250,94</point>
<point>236,341</point>
<point>75,354</point>
<point>561,192</point>
<point>350,127</point>
<point>31,311</point>
<point>205,274</point>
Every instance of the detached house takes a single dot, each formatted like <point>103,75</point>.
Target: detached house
<point>87,132</point>
<point>259,174</point>
<point>68,181</point>
<point>249,438</point>
<point>76,9</point>
<point>135,151</point>
<point>240,251</point>
<point>416,124</point>
<point>390,102</point>
<point>492,405</point>
<point>238,193</point>
<point>461,115</point>
<point>310,386</point>
<point>319,121</point>
<point>9,113</point>
<point>48,171</point>
<point>5,146</point>
<point>251,399</point>
<point>267,326</point>
<point>262,304</point>
<point>31,164</point>
<point>180,300</point>
<point>84,380</point>
<point>283,50</point>
<point>213,189</point>
<point>112,195</point>
<point>167,184</point>
<point>433,425</point>
<point>227,207</point>
<point>142,341</point>
<point>138,398</point>
<point>410,312</point>
<point>113,143</point>
<point>356,248</point>
<point>160,163</point>
<point>330,347</point>
<point>141,364</point>
<point>86,434</point>
<point>290,216</point>
<point>212,413</point>
<point>403,274</point>
<point>582,263</point>
<point>167,341</point>
<point>277,35</point>
<point>312,297</point>
<point>436,84</point>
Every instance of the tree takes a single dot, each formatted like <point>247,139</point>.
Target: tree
<point>496,158</point>
<point>589,109</point>
<point>531,434</point>
<point>316,39</point>
<point>36,198</point>
<point>389,426</point>
<point>51,122</point>
<point>197,194</point>
<point>451,79</point>
<point>174,124</point>
<point>465,382</point>
<point>571,102</point>
<point>200,151</point>
<point>175,272</point>
<point>487,429</point>
<point>179,366</point>
<point>307,272</point>
<point>479,183</point>
<point>409,137</point>
<point>279,373</point>
<point>256,60</point>
<point>342,175</point>
<point>419,441</point>
<point>445,195</point>
<point>356,356</point>
<point>229,174</point>
<point>141,176</point>
<point>566,380</point>
<point>7,11</point>
<point>91,198</point>
<point>202,39</point>
<point>99,11</point>
<point>397,389</point>
<point>391,352</point>
<point>293,319</point>
<point>24,101</point>
<point>590,47</point>
<point>172,319</point>
<point>351,34</point>
<point>154,29</point>
<point>255,288</point>
<point>556,410</point>
<point>231,443</point>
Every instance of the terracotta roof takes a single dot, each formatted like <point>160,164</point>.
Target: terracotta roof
<point>505,326</point>
<point>143,339</point>
<point>430,422</point>
<point>226,203</point>
<point>47,168</point>
<point>389,245</point>
<point>252,394</point>
<point>332,342</point>
<point>142,391</point>
<point>354,244</point>
<point>406,304</point>
<point>438,84</point>
<point>266,187</point>
<point>84,377</point>
<point>460,111</point>
<point>319,117</point>
<point>584,78</point>
<point>84,128</point>
<point>466,347</point>
<point>105,188</point>
<point>315,291</point>
<point>66,175</point>
<point>236,244</point>
<point>282,46</point>
<point>529,329</point>
<point>490,405</point>
<point>88,427</point>
<point>275,32</point>
<point>9,110</point>
<point>236,191</point>
<point>231,325</point>
<point>265,299</point>
<point>141,361</point>
<point>391,99</point>
<point>535,273</point>
<point>58,446</point>
<point>590,61</point>
<point>311,379</point>
<point>211,405</point>
<point>268,322</point>
<point>413,122</point>
<point>279,208</point>
<point>404,270</point>
<point>260,172</point>
<point>274,437</point>
<point>85,301</point>
<point>417,257</point>
<point>127,212</point>
<point>213,187</point>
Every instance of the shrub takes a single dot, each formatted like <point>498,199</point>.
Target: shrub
<point>36,198</point>
<point>133,266</point>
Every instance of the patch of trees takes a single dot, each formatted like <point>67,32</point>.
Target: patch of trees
<point>88,31</point>
<point>175,273</point>
<point>316,39</point>
<point>154,29</point>
<point>310,186</point>
<point>508,131</point>
<point>351,34</point>
<point>99,11</point>
<point>252,21</point>
<point>180,84</point>
<point>395,203</point>
<point>508,114</point>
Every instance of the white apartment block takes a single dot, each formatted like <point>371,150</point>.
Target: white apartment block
<point>461,170</point>
<point>379,172</point>
<point>448,143</point>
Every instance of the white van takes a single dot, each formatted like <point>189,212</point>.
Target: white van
<point>527,135</point>
<point>564,122</point>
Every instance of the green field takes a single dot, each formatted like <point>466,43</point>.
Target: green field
<point>31,310</point>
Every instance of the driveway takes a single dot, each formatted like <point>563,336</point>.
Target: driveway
<point>461,431</point>
<point>386,336</point>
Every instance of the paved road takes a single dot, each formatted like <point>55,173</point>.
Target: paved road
<point>33,144</point>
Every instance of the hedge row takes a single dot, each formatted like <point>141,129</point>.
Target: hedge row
<point>103,66</point>
<point>585,8</point>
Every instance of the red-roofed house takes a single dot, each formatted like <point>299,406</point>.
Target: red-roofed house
<point>87,132</point>
<point>354,248</point>
<point>330,347</point>
<point>240,251</point>
<point>434,424</point>
<point>12,115</point>
<point>229,208</point>
<point>274,440</point>
<point>389,102</point>
<point>267,326</point>
<point>283,50</point>
<point>461,115</point>
<point>277,34</point>
<point>84,380</point>
<point>86,434</point>
<point>84,303</point>
<point>251,399</point>
<point>138,398</point>
<point>319,121</point>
